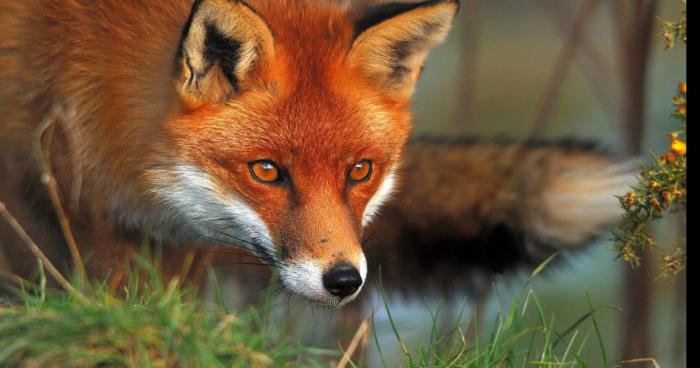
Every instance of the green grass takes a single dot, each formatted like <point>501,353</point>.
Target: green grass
<point>151,323</point>
<point>512,340</point>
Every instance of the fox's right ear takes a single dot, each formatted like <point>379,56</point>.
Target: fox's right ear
<point>223,44</point>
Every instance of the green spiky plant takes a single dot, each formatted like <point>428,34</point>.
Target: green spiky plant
<point>661,188</point>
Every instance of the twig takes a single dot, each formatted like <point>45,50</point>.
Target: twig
<point>634,20</point>
<point>14,278</point>
<point>360,335</point>
<point>461,351</point>
<point>599,72</point>
<point>470,25</point>
<point>642,360</point>
<point>48,179</point>
<point>562,65</point>
<point>76,165</point>
<point>12,221</point>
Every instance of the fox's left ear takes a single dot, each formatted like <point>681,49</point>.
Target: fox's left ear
<point>392,41</point>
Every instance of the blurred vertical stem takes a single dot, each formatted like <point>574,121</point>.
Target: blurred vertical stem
<point>634,20</point>
<point>469,28</point>
<point>592,62</point>
<point>562,66</point>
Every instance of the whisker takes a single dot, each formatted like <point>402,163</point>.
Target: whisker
<point>231,264</point>
<point>266,259</point>
<point>221,232</point>
<point>256,293</point>
<point>231,222</point>
<point>374,238</point>
<point>391,255</point>
<point>256,246</point>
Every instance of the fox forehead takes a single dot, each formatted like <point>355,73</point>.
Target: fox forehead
<point>306,33</point>
<point>317,124</point>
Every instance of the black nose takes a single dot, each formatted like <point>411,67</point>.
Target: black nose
<point>342,280</point>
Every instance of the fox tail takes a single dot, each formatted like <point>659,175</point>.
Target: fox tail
<point>486,207</point>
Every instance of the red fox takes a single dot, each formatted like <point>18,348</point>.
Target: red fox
<point>272,125</point>
<point>276,126</point>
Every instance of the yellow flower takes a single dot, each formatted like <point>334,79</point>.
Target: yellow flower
<point>678,146</point>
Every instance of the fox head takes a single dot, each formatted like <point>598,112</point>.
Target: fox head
<point>290,124</point>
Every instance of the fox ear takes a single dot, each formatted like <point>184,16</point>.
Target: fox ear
<point>392,41</point>
<point>223,44</point>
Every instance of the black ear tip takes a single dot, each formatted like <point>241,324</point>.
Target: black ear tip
<point>375,14</point>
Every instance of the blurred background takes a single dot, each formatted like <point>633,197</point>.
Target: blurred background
<point>575,68</point>
<point>583,69</point>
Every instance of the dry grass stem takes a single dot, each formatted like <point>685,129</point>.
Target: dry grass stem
<point>49,180</point>
<point>12,221</point>
<point>642,360</point>
<point>361,335</point>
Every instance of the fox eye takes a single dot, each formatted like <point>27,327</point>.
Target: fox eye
<point>361,171</point>
<point>264,171</point>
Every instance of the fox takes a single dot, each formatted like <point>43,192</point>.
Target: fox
<point>274,125</point>
<point>278,127</point>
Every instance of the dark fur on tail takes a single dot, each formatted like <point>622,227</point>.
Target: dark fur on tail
<point>469,209</point>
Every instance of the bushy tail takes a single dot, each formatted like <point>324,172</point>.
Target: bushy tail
<point>490,206</point>
<point>578,202</point>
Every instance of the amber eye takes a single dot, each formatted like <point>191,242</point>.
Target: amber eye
<point>361,171</point>
<point>264,171</point>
